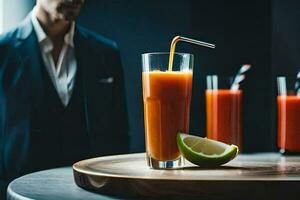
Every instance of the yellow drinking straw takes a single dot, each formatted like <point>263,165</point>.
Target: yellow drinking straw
<point>185,39</point>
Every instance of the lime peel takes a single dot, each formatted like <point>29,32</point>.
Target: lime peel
<point>204,151</point>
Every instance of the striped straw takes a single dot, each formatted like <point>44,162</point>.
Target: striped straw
<point>240,76</point>
<point>297,84</point>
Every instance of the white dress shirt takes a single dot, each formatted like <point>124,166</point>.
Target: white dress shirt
<point>63,73</point>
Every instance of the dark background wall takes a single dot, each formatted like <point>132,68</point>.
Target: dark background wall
<point>286,37</point>
<point>241,31</point>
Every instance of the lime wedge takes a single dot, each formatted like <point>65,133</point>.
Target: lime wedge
<point>205,152</point>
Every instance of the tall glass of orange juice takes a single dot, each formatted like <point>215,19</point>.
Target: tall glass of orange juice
<point>288,115</point>
<point>223,111</point>
<point>167,98</point>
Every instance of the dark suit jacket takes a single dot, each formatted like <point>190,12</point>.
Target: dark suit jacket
<point>21,90</point>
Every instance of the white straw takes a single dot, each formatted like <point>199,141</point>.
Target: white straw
<point>240,77</point>
<point>209,82</point>
<point>215,82</point>
<point>281,86</point>
<point>237,80</point>
<point>297,84</point>
<point>244,68</point>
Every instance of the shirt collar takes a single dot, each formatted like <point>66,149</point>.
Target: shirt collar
<point>41,35</point>
<point>69,37</point>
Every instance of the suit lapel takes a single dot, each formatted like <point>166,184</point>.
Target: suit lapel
<point>28,52</point>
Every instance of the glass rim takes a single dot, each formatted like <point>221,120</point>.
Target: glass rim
<point>167,53</point>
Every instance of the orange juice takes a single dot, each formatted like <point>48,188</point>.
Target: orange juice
<point>223,113</point>
<point>288,123</point>
<point>167,97</point>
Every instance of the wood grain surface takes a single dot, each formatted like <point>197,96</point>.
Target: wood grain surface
<point>255,176</point>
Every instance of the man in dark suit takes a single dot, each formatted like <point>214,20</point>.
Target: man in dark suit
<point>62,93</point>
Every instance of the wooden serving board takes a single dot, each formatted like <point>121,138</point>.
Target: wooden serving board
<point>255,176</point>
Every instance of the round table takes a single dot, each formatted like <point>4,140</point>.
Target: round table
<point>254,176</point>
<point>56,184</point>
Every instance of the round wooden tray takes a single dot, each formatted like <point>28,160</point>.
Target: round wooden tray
<point>267,175</point>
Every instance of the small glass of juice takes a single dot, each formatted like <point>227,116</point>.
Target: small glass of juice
<point>288,115</point>
<point>167,97</point>
<point>223,111</point>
